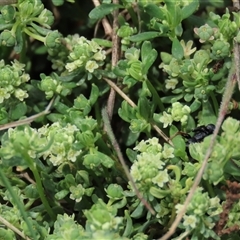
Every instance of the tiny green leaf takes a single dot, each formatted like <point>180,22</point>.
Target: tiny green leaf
<point>144,108</point>
<point>18,111</point>
<point>154,11</point>
<point>103,10</point>
<point>102,42</point>
<point>144,36</point>
<point>148,56</point>
<point>177,49</point>
<point>19,40</point>
<point>137,213</point>
<point>94,94</point>
<point>189,9</point>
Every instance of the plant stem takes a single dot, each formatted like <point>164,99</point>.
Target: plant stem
<point>7,2</point>
<point>40,188</point>
<point>18,203</point>
<point>114,142</point>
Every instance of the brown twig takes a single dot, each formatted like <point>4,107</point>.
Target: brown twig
<point>236,49</point>
<point>7,2</point>
<point>27,177</point>
<point>115,57</point>
<point>222,113</point>
<point>107,27</point>
<point>108,129</point>
<point>13,228</point>
<point>27,120</point>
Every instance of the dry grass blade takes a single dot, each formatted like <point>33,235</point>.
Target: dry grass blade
<point>27,120</point>
<point>222,113</point>
<point>14,229</point>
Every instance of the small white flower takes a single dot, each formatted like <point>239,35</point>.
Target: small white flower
<point>20,94</point>
<point>168,152</point>
<point>166,119</point>
<point>171,83</point>
<point>91,66</point>
<point>161,178</point>
<point>190,221</point>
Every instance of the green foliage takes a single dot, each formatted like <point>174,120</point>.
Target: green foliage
<point>61,177</point>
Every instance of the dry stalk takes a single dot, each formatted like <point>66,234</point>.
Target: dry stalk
<point>27,120</point>
<point>115,58</point>
<point>106,25</point>
<point>231,82</point>
<point>13,228</point>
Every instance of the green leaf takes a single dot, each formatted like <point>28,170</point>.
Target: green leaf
<point>144,108</point>
<point>139,125</point>
<point>61,194</point>
<point>188,97</point>
<point>94,94</point>
<point>103,42</point>
<point>18,111</point>
<point>19,40</point>
<point>208,115</point>
<point>178,142</point>
<point>61,107</point>
<point>93,160</point>
<point>158,193</point>
<point>188,10</point>
<point>103,10</point>
<point>171,98</point>
<point>130,138</point>
<point>31,192</point>
<point>54,117</point>
<point>83,104</point>
<point>6,234</point>
<point>132,155</point>
<point>5,26</point>
<point>86,139</point>
<point>195,105</point>
<point>41,30</point>
<point>144,36</point>
<point>129,225</point>
<point>177,49</point>
<point>148,56</point>
<point>126,112</point>
<point>232,167</point>
<point>138,212</point>
<point>58,2</point>
<point>174,13</point>
<point>154,11</point>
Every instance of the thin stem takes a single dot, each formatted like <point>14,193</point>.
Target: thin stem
<point>222,113</point>
<point>7,2</point>
<point>14,229</point>
<point>33,35</point>
<point>115,57</point>
<point>27,120</point>
<point>236,50</point>
<point>39,186</point>
<point>18,203</point>
<point>114,142</point>
<point>107,27</point>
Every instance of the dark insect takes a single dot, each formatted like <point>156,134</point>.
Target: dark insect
<point>217,66</point>
<point>199,133</point>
